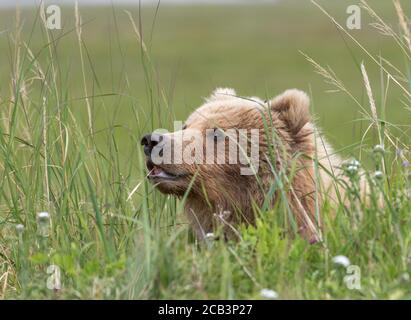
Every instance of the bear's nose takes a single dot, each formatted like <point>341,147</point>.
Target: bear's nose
<point>149,141</point>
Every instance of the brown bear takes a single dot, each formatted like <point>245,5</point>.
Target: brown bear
<point>218,192</point>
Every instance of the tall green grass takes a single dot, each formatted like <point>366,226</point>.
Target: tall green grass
<point>113,236</point>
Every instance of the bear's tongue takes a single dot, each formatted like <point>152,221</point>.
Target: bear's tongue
<point>157,172</point>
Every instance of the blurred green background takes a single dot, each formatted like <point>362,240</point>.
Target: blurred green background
<point>193,49</point>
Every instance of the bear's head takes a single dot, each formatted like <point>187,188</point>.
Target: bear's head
<point>221,152</point>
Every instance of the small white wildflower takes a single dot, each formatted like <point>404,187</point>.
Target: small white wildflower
<point>352,169</point>
<point>355,163</point>
<point>268,294</point>
<point>379,148</point>
<point>209,236</point>
<point>43,220</point>
<point>43,216</point>
<point>405,277</point>
<point>341,260</point>
<point>378,175</point>
<point>226,214</point>
<point>19,228</point>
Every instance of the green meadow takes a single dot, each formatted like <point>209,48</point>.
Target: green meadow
<point>75,102</point>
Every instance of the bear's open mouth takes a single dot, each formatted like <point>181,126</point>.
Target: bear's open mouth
<point>157,173</point>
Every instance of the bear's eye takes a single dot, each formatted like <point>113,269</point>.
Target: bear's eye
<point>184,127</point>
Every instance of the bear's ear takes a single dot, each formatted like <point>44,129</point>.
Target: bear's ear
<point>221,94</point>
<point>292,107</point>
